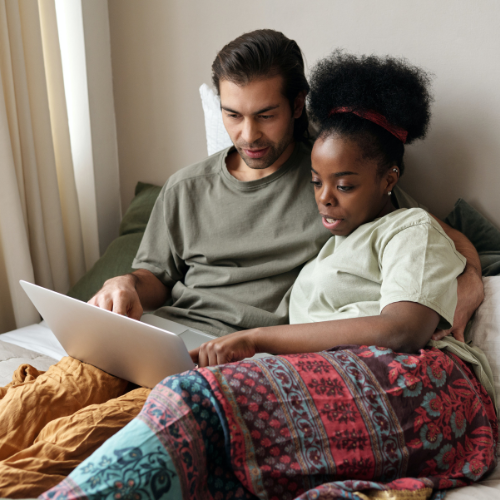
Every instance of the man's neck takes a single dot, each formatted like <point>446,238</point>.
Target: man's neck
<point>241,171</point>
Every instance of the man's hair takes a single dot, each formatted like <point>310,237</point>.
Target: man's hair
<point>264,54</point>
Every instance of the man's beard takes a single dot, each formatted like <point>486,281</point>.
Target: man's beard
<point>275,151</point>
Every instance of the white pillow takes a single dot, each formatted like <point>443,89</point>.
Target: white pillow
<point>217,137</point>
<point>485,329</point>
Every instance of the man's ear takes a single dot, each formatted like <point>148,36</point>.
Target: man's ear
<point>299,103</point>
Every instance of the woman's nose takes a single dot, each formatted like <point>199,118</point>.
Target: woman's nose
<point>327,197</point>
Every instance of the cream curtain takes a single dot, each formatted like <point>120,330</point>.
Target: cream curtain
<point>40,228</point>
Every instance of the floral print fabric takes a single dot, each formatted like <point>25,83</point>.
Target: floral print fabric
<point>305,426</point>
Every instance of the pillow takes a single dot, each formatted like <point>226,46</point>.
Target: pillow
<point>485,328</point>
<point>137,215</point>
<point>117,259</point>
<point>481,232</point>
<point>217,137</point>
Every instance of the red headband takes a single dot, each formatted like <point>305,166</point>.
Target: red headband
<point>377,118</point>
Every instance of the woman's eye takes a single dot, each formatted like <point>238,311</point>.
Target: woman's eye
<point>316,183</point>
<point>344,189</point>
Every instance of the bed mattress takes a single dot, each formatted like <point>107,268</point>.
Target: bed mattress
<point>37,345</point>
<point>12,356</point>
<point>34,344</point>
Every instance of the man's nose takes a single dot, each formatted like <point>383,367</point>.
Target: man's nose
<point>250,132</point>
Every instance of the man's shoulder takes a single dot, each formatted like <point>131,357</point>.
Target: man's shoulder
<point>209,167</point>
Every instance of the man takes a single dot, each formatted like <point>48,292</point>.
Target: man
<point>229,235</point>
<point>226,240</point>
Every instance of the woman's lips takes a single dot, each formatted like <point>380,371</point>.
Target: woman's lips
<point>256,153</point>
<point>331,223</point>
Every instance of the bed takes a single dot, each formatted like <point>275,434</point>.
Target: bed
<point>12,356</point>
<point>36,344</point>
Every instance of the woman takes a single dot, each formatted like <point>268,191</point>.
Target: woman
<point>351,412</point>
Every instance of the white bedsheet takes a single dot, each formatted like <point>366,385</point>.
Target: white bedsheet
<point>488,489</point>
<point>38,338</point>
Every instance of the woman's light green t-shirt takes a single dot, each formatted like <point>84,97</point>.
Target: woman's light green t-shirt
<point>403,256</point>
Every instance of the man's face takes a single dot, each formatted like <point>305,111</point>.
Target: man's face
<point>258,119</point>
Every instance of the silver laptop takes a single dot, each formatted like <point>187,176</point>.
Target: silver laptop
<point>143,352</point>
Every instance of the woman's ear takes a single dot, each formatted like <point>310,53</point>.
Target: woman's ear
<point>299,103</point>
<point>392,178</point>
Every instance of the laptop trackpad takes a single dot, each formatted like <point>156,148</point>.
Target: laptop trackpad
<point>194,339</point>
<point>164,324</point>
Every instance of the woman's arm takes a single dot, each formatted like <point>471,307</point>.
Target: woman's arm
<point>402,326</point>
<point>470,285</point>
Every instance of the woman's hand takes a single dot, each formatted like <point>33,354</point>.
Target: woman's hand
<point>401,326</point>
<point>233,347</point>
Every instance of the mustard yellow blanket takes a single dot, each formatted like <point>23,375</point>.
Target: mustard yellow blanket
<point>51,421</point>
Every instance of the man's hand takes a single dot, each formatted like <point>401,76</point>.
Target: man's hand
<point>470,295</point>
<point>120,296</point>
<point>233,347</point>
<point>130,294</point>
<point>470,284</point>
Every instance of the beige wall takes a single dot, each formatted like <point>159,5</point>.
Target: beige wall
<point>162,51</point>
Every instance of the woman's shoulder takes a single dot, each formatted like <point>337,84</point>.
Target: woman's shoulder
<point>383,229</point>
<point>402,219</point>
<point>407,217</point>
<point>413,225</point>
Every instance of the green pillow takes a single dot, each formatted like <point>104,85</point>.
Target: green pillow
<point>137,215</point>
<point>481,232</point>
<point>118,257</point>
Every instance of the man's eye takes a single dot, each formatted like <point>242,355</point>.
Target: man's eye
<point>265,117</point>
<point>345,189</point>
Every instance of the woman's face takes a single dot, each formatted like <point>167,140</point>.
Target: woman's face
<point>348,189</point>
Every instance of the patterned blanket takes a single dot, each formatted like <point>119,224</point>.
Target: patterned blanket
<point>353,422</point>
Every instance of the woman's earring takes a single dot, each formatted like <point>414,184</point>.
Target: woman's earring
<point>394,170</point>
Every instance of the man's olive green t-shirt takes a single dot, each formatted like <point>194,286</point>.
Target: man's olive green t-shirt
<point>230,250</point>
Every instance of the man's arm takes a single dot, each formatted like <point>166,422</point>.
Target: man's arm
<point>130,294</point>
<point>470,284</point>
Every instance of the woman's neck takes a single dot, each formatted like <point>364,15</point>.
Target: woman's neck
<point>386,209</point>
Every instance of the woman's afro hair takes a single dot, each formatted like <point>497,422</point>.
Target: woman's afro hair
<point>392,87</point>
